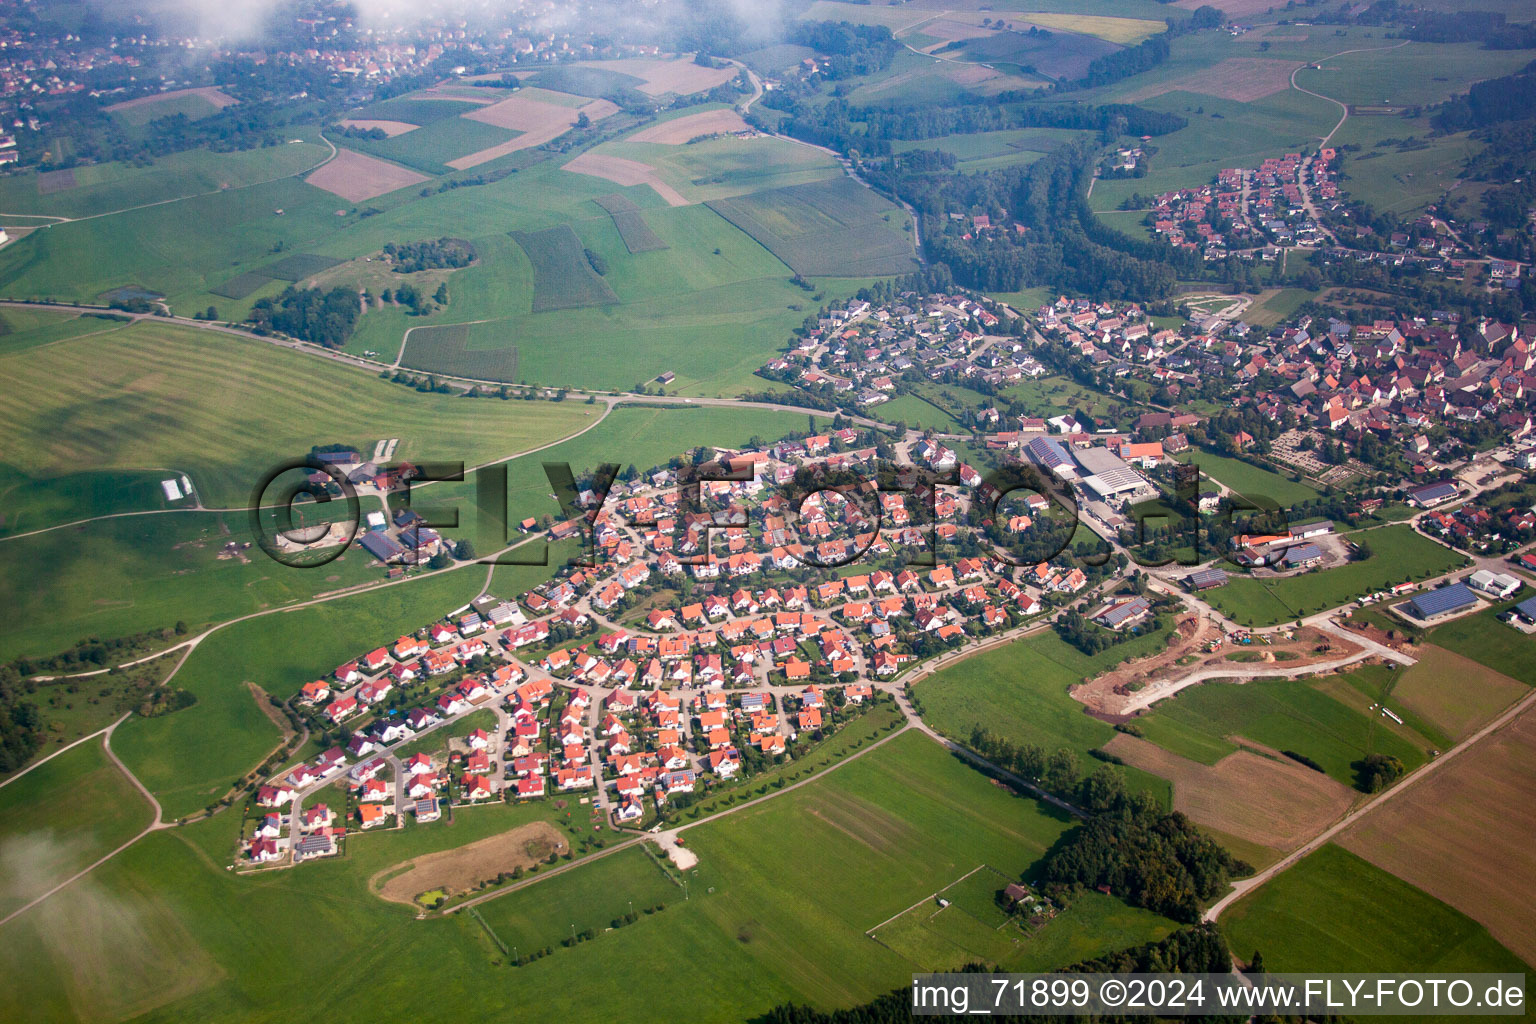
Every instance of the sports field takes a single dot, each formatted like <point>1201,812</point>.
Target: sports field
<point>1336,912</point>
<point>835,228</point>
<point>1467,835</point>
<point>224,409</point>
<point>1398,554</point>
<point>1019,691</point>
<point>62,816</point>
<point>1207,723</point>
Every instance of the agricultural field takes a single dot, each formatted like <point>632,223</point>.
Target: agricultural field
<point>61,817</point>
<point>430,147</point>
<point>156,395</point>
<point>985,151</point>
<point>563,278</point>
<point>1020,691</point>
<point>1209,722</point>
<point>22,329</point>
<point>835,228</point>
<point>1453,692</point>
<point>1398,554</point>
<point>1336,912</point>
<point>446,350</point>
<point>191,757</point>
<point>720,168</point>
<point>189,103</point>
<point>101,188</point>
<point>629,220</point>
<point>1248,480</point>
<point>1467,835</point>
<point>1487,641</point>
<point>904,821</point>
<point>1265,799</point>
<point>354,176</point>
<point>118,577</point>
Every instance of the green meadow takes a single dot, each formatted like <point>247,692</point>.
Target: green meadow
<point>1488,641</point>
<point>225,410</point>
<point>164,931</point>
<point>1205,723</point>
<point>1336,912</point>
<point>117,577</point>
<point>1019,692</point>
<point>102,188</point>
<point>1249,480</point>
<point>1398,554</point>
<point>61,817</point>
<point>191,757</point>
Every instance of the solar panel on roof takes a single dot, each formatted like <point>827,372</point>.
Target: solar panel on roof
<point>1446,599</point>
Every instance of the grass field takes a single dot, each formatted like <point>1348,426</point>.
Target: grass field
<point>901,822</point>
<point>31,503</point>
<point>1397,554</point>
<point>100,188</point>
<point>1454,692</point>
<point>1248,480</point>
<point>122,576</point>
<point>193,756</point>
<point>1019,691</point>
<point>985,151</point>
<point>1336,912</point>
<point>589,898</point>
<point>154,395</point>
<point>1208,722</point>
<point>835,228</point>
<point>1487,641</point>
<point>61,817</point>
<point>1467,835</point>
<point>23,329</point>
<point>915,412</point>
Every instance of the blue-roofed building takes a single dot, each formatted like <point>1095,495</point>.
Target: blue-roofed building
<point>381,546</point>
<point>1457,597</point>
<point>1052,456</point>
<point>1122,613</point>
<point>1301,556</point>
<point>1526,610</point>
<point>1432,494</point>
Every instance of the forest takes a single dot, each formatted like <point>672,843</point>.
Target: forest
<point>311,314</point>
<point>1149,858</point>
